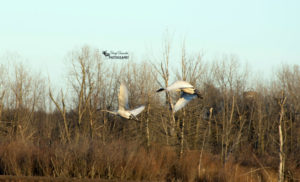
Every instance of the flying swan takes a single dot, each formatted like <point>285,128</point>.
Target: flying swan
<point>123,105</point>
<point>188,93</point>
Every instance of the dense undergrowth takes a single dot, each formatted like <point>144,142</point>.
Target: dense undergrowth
<point>120,160</point>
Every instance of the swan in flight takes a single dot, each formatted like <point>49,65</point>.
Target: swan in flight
<point>187,93</point>
<point>123,110</point>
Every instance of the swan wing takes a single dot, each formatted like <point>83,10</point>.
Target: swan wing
<point>186,98</point>
<point>179,85</point>
<point>123,97</point>
<point>137,111</point>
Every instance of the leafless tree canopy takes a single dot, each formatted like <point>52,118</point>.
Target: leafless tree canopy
<point>239,131</point>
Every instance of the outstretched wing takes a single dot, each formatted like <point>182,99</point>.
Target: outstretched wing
<point>137,111</point>
<point>179,85</point>
<point>186,98</point>
<point>123,97</point>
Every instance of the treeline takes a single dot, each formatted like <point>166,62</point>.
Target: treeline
<point>230,135</point>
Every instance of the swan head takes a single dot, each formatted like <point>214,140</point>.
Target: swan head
<point>159,90</point>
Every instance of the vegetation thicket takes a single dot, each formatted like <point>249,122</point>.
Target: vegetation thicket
<point>245,128</point>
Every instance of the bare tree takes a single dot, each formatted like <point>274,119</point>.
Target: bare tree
<point>62,110</point>
<point>85,79</point>
<point>192,70</point>
<point>163,72</point>
<point>3,87</point>
<point>231,83</point>
<point>281,142</point>
<point>28,94</point>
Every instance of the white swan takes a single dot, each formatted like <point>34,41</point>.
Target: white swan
<point>188,93</point>
<point>123,105</point>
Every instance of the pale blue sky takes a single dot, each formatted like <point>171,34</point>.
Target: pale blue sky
<point>264,33</point>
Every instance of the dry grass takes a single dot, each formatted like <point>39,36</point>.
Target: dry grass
<point>121,160</point>
<point>6,178</point>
